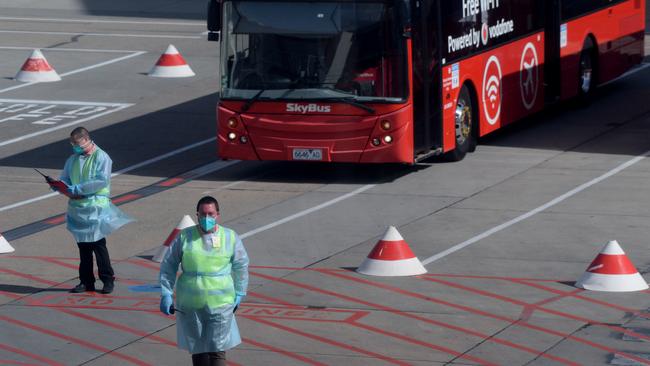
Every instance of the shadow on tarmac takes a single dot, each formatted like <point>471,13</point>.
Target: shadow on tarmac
<point>19,289</point>
<point>148,136</point>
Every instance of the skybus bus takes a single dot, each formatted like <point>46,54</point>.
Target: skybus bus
<point>383,81</point>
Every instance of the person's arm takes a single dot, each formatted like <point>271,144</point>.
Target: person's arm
<point>240,267</point>
<point>100,179</point>
<point>65,174</point>
<point>169,266</point>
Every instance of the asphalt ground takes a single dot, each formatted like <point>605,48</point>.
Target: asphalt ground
<point>504,234</point>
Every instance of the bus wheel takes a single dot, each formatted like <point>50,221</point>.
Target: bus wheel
<point>464,126</point>
<point>586,76</point>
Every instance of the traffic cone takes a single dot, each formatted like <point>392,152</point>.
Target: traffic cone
<point>171,65</point>
<point>184,223</point>
<point>612,271</point>
<point>4,245</point>
<point>37,69</point>
<point>391,256</point>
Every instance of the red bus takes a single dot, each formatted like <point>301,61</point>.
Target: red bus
<point>381,81</point>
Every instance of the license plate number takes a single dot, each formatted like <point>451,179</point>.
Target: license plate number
<point>307,154</point>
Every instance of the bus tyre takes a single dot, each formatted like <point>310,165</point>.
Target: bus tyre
<point>464,123</point>
<point>587,72</point>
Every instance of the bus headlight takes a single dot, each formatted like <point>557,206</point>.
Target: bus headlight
<point>243,139</point>
<point>385,125</point>
<point>388,139</point>
<point>376,141</point>
<point>232,136</point>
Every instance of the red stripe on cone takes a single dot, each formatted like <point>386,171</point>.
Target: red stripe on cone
<point>391,250</point>
<point>171,237</point>
<point>391,256</point>
<point>171,60</point>
<point>612,264</point>
<point>36,64</point>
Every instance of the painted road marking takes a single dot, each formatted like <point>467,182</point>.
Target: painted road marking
<point>134,54</point>
<point>537,210</point>
<point>307,211</point>
<point>166,36</point>
<point>58,114</point>
<point>119,172</point>
<point>92,50</point>
<point>155,188</point>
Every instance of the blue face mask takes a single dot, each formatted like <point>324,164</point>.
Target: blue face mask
<point>77,149</point>
<point>207,223</point>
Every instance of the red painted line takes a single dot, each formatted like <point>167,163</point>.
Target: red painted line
<point>575,293</point>
<point>59,263</point>
<point>327,341</point>
<point>118,326</point>
<point>487,277</point>
<point>528,310</point>
<point>42,359</point>
<point>126,198</point>
<point>56,220</point>
<point>295,356</point>
<point>10,294</point>
<point>539,308</point>
<point>29,277</point>
<point>424,344</point>
<point>74,340</point>
<point>483,313</point>
<point>419,318</point>
<point>170,182</point>
<point>11,362</point>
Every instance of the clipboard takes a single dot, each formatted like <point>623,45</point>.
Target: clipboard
<point>57,185</point>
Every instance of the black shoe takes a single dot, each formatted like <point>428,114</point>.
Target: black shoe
<point>82,288</point>
<point>108,288</point>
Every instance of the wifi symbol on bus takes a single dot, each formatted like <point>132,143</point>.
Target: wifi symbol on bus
<point>492,89</point>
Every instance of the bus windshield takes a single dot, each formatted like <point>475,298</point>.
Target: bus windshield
<point>312,50</point>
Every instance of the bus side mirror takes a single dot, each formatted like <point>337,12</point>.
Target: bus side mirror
<point>214,20</point>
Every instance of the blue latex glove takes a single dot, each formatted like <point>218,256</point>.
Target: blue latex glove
<point>166,303</point>
<point>238,299</point>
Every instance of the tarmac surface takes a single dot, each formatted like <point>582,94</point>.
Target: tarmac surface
<point>504,234</point>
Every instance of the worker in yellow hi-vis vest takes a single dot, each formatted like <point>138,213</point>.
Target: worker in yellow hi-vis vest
<point>212,283</point>
<point>91,216</point>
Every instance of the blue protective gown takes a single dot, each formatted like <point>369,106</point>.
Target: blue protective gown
<point>92,217</point>
<point>206,329</point>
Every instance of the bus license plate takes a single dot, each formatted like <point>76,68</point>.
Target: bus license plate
<point>307,154</point>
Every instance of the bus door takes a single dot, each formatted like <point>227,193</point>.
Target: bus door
<point>552,76</point>
<point>426,76</point>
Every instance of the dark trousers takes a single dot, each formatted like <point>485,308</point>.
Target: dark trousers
<point>209,359</point>
<point>86,275</point>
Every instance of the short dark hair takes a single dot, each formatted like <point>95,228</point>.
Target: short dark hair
<point>206,200</point>
<point>80,132</point>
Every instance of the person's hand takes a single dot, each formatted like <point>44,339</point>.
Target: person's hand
<point>238,299</point>
<point>166,304</point>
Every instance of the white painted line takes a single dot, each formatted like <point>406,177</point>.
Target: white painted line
<point>307,211</point>
<point>537,210</point>
<point>47,130</point>
<point>102,64</point>
<point>64,102</point>
<point>642,67</point>
<point>119,172</point>
<point>91,20</point>
<point>98,50</point>
<point>78,70</point>
<point>103,34</point>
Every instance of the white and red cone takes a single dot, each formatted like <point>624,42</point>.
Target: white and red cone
<point>4,245</point>
<point>171,65</point>
<point>612,271</point>
<point>37,69</point>
<point>391,256</point>
<point>185,222</point>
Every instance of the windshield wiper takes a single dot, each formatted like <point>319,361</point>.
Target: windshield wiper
<point>250,102</point>
<point>350,101</point>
